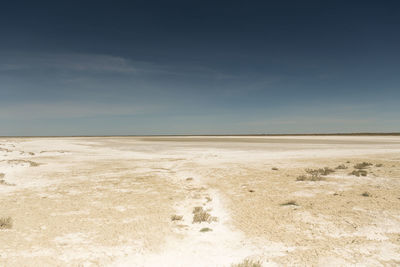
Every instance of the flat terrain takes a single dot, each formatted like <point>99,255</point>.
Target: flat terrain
<point>200,201</point>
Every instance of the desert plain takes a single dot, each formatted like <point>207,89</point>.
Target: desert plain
<point>200,201</point>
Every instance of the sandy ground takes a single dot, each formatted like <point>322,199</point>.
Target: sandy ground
<point>108,201</point>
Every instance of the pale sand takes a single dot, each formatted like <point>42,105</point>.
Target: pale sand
<point>102,201</point>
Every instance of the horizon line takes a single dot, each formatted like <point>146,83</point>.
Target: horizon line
<point>189,135</point>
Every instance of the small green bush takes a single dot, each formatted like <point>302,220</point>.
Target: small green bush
<point>366,194</point>
<point>290,203</point>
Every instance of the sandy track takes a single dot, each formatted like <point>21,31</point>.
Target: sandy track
<point>109,201</point>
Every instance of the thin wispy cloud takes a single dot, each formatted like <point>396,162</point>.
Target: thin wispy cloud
<point>64,110</point>
<point>101,63</point>
<point>73,62</point>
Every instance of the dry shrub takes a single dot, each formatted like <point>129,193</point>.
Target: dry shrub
<point>379,165</point>
<point>362,165</point>
<point>359,173</point>
<point>274,168</point>
<point>205,229</point>
<point>248,263</point>
<point>176,217</point>
<point>5,223</point>
<point>341,167</point>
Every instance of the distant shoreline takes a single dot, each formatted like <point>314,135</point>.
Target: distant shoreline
<point>219,135</point>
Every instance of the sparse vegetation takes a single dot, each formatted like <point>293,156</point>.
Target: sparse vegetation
<point>5,223</point>
<point>31,163</point>
<point>189,179</point>
<point>205,229</point>
<point>290,203</point>
<point>359,173</point>
<point>251,191</point>
<point>176,217</point>
<point>248,263</point>
<point>379,165</point>
<point>313,177</point>
<point>341,167</point>
<point>362,165</point>
<point>366,194</point>
<point>209,199</point>
<point>275,169</point>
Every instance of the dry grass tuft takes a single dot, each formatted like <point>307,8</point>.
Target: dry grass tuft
<point>379,165</point>
<point>321,171</point>
<point>313,178</point>
<point>275,169</point>
<point>359,173</point>
<point>205,229</point>
<point>200,215</point>
<point>2,181</point>
<point>362,165</point>
<point>315,174</point>
<point>33,164</point>
<point>189,179</point>
<point>197,209</point>
<point>248,263</point>
<point>290,203</point>
<point>176,217</point>
<point>6,223</point>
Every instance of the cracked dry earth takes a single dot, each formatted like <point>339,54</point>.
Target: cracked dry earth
<point>199,201</point>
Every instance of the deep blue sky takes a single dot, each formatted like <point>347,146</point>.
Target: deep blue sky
<point>199,67</point>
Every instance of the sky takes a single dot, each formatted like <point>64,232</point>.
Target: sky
<point>199,67</point>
